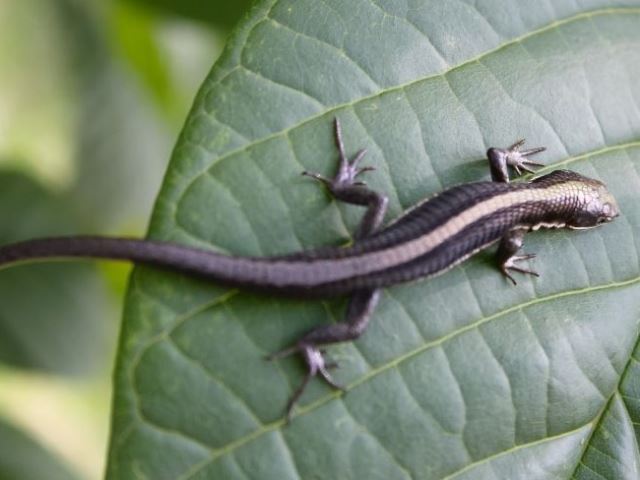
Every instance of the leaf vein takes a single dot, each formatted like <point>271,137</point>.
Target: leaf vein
<point>341,51</point>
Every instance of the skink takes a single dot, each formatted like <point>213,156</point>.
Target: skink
<point>427,240</point>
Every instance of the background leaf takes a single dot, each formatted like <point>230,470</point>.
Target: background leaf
<point>54,326</point>
<point>461,376</point>
<point>217,12</point>
<point>21,457</point>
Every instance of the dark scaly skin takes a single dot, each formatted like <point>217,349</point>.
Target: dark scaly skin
<point>427,240</point>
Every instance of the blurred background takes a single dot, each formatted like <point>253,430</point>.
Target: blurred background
<point>93,94</point>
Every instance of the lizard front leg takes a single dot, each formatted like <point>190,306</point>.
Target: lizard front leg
<point>346,188</point>
<point>507,254</point>
<point>499,160</point>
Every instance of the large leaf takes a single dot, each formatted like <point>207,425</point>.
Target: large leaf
<point>460,376</point>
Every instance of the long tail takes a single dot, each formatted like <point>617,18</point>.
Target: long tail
<point>295,276</point>
<point>131,249</point>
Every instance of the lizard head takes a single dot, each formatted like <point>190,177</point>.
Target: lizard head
<point>595,206</point>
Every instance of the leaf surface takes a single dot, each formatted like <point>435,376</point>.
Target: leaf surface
<point>461,376</point>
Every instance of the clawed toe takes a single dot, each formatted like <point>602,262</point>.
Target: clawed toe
<point>316,366</point>
<point>347,170</point>
<point>532,151</point>
<point>318,177</point>
<point>499,158</point>
<point>353,164</point>
<point>510,265</point>
<point>368,168</point>
<point>326,376</point>
<point>520,167</point>
<point>518,158</point>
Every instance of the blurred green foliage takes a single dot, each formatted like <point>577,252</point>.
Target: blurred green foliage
<point>92,96</point>
<point>51,334</point>
<point>218,14</point>
<point>22,458</point>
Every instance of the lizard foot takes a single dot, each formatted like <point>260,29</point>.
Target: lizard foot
<point>316,366</point>
<point>347,170</point>
<point>499,158</point>
<point>518,158</point>
<point>510,265</point>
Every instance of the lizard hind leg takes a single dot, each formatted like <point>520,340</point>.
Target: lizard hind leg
<point>345,187</point>
<point>347,169</point>
<point>359,311</point>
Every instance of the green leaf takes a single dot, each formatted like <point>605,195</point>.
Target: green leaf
<point>461,376</point>
<point>52,317</point>
<point>23,458</point>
